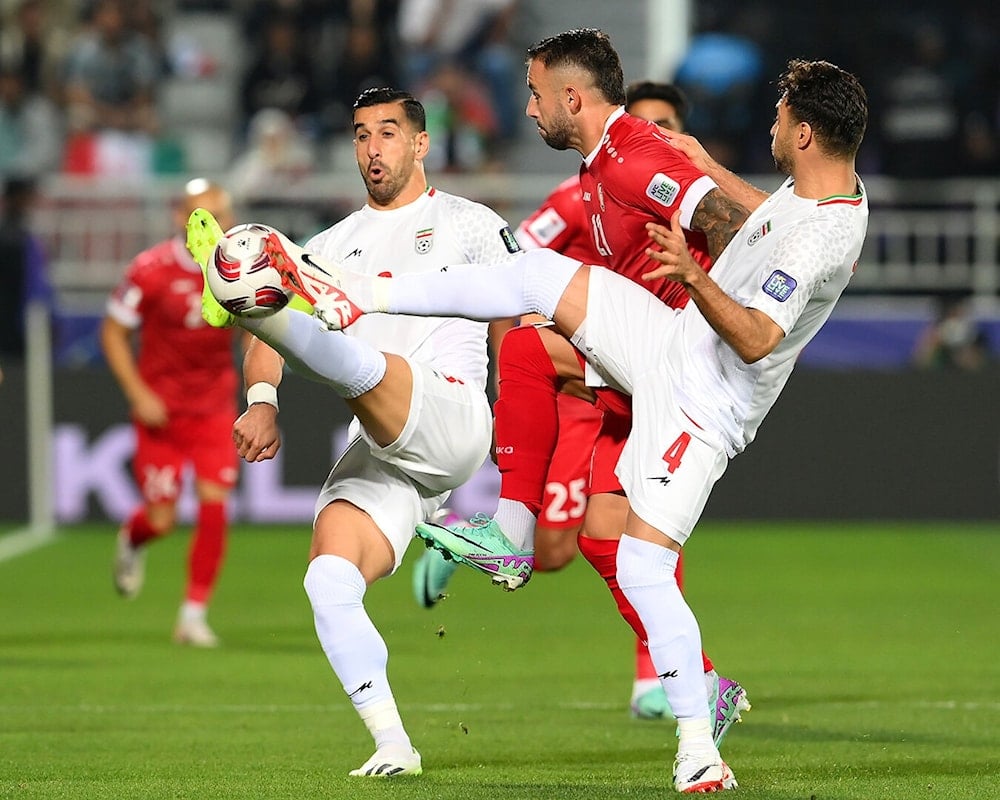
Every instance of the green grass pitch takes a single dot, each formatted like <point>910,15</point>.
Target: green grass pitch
<point>870,653</point>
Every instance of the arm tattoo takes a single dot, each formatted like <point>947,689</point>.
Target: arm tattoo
<point>718,218</point>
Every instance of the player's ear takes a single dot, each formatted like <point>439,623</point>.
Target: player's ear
<point>573,99</point>
<point>803,135</point>
<point>421,145</point>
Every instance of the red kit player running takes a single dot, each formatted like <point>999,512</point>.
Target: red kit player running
<point>180,384</point>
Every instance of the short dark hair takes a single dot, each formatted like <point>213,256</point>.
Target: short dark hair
<point>831,100</point>
<point>382,95</point>
<point>589,49</point>
<point>651,90</point>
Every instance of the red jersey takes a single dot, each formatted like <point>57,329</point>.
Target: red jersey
<point>560,223</point>
<point>185,361</point>
<point>632,177</point>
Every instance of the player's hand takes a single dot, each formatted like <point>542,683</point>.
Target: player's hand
<point>692,148</point>
<point>149,409</point>
<point>256,433</point>
<point>672,252</point>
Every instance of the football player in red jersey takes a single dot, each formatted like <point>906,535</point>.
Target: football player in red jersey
<point>180,381</point>
<point>631,175</point>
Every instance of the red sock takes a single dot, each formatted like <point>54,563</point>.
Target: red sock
<point>526,417</point>
<point>644,669</point>
<point>208,545</point>
<point>139,529</point>
<point>603,556</point>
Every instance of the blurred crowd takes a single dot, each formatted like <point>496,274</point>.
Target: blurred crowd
<point>80,82</point>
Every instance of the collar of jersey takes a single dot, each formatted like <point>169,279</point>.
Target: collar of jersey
<point>618,112</point>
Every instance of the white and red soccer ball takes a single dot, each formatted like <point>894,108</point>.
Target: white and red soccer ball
<point>240,275</point>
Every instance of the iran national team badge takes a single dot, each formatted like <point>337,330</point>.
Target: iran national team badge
<point>424,241</point>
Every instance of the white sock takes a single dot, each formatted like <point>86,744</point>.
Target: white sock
<point>646,576</point>
<point>348,364</point>
<point>353,646</point>
<point>532,283</point>
<point>517,523</point>
<point>193,612</point>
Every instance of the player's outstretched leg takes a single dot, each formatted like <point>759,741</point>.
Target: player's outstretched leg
<point>482,546</point>
<point>432,571</point>
<point>130,565</point>
<point>317,281</point>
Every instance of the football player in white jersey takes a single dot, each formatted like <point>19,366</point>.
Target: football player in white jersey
<point>416,385</point>
<point>701,378</point>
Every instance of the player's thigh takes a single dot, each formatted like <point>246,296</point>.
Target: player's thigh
<point>669,465</point>
<point>158,463</point>
<point>568,478</point>
<point>213,453</point>
<point>391,498</point>
<point>447,435</point>
<point>626,331</point>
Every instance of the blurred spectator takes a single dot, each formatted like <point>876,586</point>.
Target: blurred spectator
<point>363,35</point>
<point>921,105</point>
<point>276,155</point>
<point>472,36</point>
<point>462,123</point>
<point>31,136</point>
<point>721,75</point>
<point>112,74</point>
<point>23,265</point>
<point>954,340</point>
<point>33,45</point>
<point>280,74</point>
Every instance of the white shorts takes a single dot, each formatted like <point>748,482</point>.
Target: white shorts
<point>669,464</point>
<point>445,440</point>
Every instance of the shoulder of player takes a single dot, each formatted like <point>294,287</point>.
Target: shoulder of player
<point>161,255</point>
<point>462,212</point>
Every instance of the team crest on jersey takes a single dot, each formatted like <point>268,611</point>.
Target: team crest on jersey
<point>509,239</point>
<point>780,286</point>
<point>662,189</point>
<point>600,196</point>
<point>424,241</point>
<point>758,234</point>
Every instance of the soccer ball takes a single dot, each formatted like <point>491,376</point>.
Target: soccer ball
<point>240,275</point>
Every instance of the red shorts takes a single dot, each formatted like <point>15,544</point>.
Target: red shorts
<point>205,442</point>
<point>568,481</point>
<point>614,431</point>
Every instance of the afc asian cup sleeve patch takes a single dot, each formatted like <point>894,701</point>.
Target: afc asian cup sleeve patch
<point>780,286</point>
<point>663,189</point>
<point>546,227</point>
<point>509,240</point>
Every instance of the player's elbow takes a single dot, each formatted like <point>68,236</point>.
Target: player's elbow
<point>761,342</point>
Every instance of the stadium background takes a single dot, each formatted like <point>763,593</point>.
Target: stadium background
<point>859,433</point>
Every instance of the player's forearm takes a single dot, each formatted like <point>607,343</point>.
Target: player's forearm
<point>736,188</point>
<point>750,333</point>
<point>262,364</point>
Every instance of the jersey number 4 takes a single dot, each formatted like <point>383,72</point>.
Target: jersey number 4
<point>675,452</point>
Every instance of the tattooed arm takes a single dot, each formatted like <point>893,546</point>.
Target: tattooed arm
<point>718,217</point>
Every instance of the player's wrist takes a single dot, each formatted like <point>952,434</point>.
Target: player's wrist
<point>262,392</point>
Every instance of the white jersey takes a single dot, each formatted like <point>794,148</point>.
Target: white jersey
<point>792,259</point>
<point>434,231</point>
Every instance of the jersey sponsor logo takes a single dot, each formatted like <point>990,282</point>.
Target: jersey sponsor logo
<point>509,239</point>
<point>759,234</point>
<point>586,197</point>
<point>424,241</point>
<point>780,286</point>
<point>662,189</point>
<point>546,227</point>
